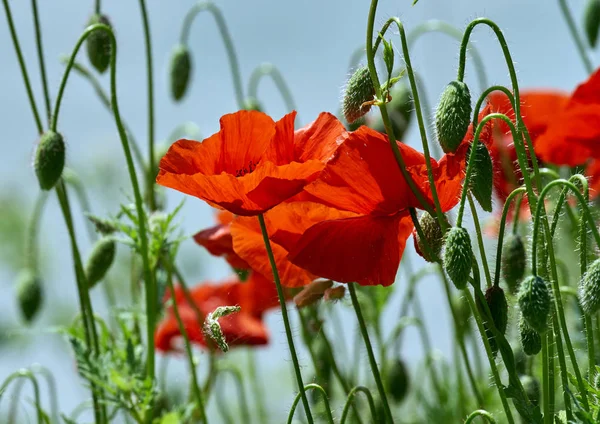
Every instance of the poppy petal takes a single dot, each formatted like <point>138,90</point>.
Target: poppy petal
<point>217,240</point>
<point>320,139</point>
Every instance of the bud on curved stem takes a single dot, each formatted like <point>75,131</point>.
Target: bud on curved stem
<point>180,71</point>
<point>453,115</point>
<point>49,159</point>
<point>458,256</point>
<point>358,95</point>
<point>98,44</point>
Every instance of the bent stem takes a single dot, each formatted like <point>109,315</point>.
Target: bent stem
<point>480,413</point>
<point>286,319</point>
<point>239,382</point>
<point>310,386</point>
<point>587,63</point>
<point>270,70</point>
<point>350,398</point>
<point>372,360</point>
<point>24,373</point>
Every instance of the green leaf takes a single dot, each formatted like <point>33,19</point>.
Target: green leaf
<point>171,418</point>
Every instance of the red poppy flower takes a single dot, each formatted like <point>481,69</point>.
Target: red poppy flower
<point>252,163</point>
<point>255,296</point>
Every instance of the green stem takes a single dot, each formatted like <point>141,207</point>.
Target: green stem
<point>15,40</point>
<point>97,6</point>
<point>480,413</point>
<point>545,381</point>
<point>257,387</point>
<point>302,394</point>
<point>286,320</point>
<point>484,262</point>
<point>31,248</point>
<point>24,373</point>
<point>40,53</point>
<point>587,63</point>
<point>270,70</point>
<point>237,376</point>
<point>231,54</point>
<point>372,360</point>
<point>52,390</point>
<point>350,398</point>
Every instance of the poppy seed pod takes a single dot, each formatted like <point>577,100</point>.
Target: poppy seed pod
<point>458,256</point>
<point>534,300</point>
<point>359,90</point>
<point>433,235</point>
<point>482,178</point>
<point>532,388</point>
<point>100,260</point>
<point>530,339</point>
<point>513,261</point>
<point>29,294</point>
<point>98,44</point>
<point>589,289</point>
<point>591,21</point>
<point>397,380</point>
<point>49,159</point>
<point>453,115</point>
<point>180,71</point>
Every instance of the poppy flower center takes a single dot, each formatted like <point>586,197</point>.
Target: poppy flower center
<point>246,169</point>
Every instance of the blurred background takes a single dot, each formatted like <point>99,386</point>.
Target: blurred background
<point>311,43</point>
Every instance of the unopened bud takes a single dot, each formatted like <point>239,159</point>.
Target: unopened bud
<point>100,260</point>
<point>359,90</point>
<point>531,385</point>
<point>591,21</point>
<point>496,302</point>
<point>49,159</point>
<point>513,261</point>
<point>482,177</point>
<point>98,44</point>
<point>453,115</point>
<point>535,301</point>
<point>29,294</point>
<point>434,236</point>
<point>589,289</point>
<point>312,293</point>
<point>180,71</point>
<point>458,256</point>
<point>212,328</point>
<point>397,380</point>
<point>530,339</point>
<point>335,293</point>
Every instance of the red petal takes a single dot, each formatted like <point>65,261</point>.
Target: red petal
<point>217,240</point>
<point>319,139</point>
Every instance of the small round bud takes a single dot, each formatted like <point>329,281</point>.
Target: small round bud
<point>458,256</point>
<point>453,115</point>
<point>535,301</point>
<point>482,177</point>
<point>591,21</point>
<point>252,103</point>
<point>49,159</point>
<point>513,261</point>
<point>29,294</point>
<point>530,339</point>
<point>589,289</point>
<point>180,71</point>
<point>531,385</point>
<point>433,235</point>
<point>397,380</point>
<point>100,260</point>
<point>98,44</point>
<point>359,90</point>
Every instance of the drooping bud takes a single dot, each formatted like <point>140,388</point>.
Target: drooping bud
<point>98,44</point>
<point>531,385</point>
<point>102,225</point>
<point>397,380</point>
<point>433,235</point>
<point>359,90</point>
<point>482,177</point>
<point>535,300</point>
<point>312,293</point>
<point>29,294</point>
<point>496,302</point>
<point>334,293</point>
<point>591,21</point>
<point>513,261</point>
<point>212,328</point>
<point>453,115</point>
<point>530,339</point>
<point>180,71</point>
<point>589,289</point>
<point>49,159</point>
<point>252,103</point>
<point>100,260</point>
<point>458,256</point>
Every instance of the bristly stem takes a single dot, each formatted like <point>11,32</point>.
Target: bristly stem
<point>310,386</point>
<point>40,53</point>
<point>587,63</point>
<point>372,360</point>
<point>231,54</point>
<point>545,381</point>
<point>15,40</point>
<point>350,398</point>
<point>484,261</point>
<point>286,319</point>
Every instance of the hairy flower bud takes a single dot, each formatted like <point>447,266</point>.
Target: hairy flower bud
<point>49,159</point>
<point>530,339</point>
<point>589,289</point>
<point>433,235</point>
<point>496,303</point>
<point>458,256</point>
<point>513,261</point>
<point>100,260</point>
<point>482,178</point>
<point>29,294</point>
<point>98,44</point>
<point>532,388</point>
<point>535,301</point>
<point>397,380</point>
<point>180,71</point>
<point>359,90</point>
<point>212,328</point>
<point>591,21</point>
<point>453,115</point>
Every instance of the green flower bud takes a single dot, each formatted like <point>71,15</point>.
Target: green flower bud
<point>530,339</point>
<point>520,361</point>
<point>463,313</point>
<point>359,90</point>
<point>514,260</point>
<point>100,260</point>
<point>532,388</point>
<point>481,179</point>
<point>496,302</point>
<point>397,380</point>
<point>458,256</point>
<point>453,115</point>
<point>180,71</point>
<point>29,294</point>
<point>98,44</point>
<point>591,21</point>
<point>433,235</point>
<point>252,103</point>
<point>212,328</point>
<point>589,289</point>
<point>535,301</point>
<point>49,159</point>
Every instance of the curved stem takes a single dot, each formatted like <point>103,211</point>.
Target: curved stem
<point>52,390</point>
<point>40,53</point>
<point>350,398</point>
<point>15,40</point>
<point>484,262</point>
<point>286,320</point>
<point>257,387</point>
<point>480,413</point>
<point>270,70</point>
<point>302,393</point>
<point>237,376</point>
<point>587,63</point>
<point>31,248</point>
<point>231,54</point>
<point>372,360</point>
<point>23,373</point>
